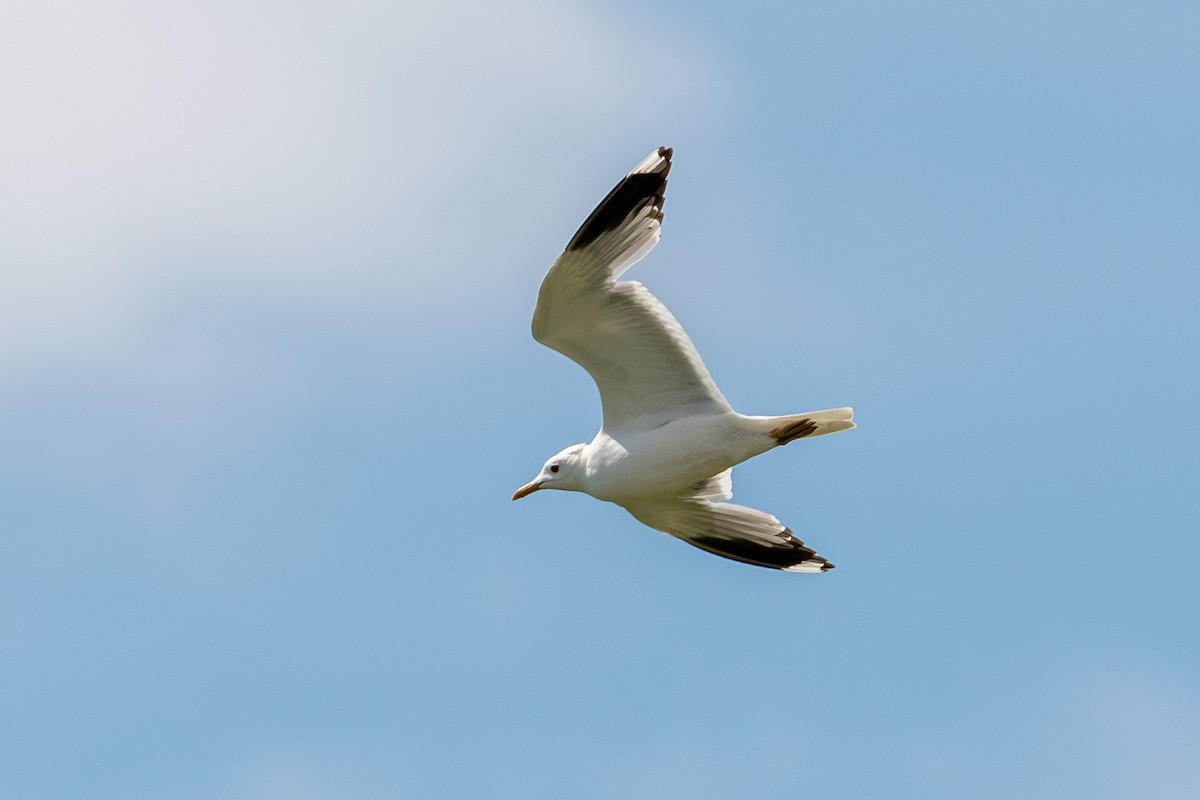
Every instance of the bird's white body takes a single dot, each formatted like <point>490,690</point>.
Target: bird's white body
<point>669,459</point>
<point>669,439</point>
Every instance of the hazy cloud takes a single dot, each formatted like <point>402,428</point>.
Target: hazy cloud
<point>1105,730</point>
<point>337,161</point>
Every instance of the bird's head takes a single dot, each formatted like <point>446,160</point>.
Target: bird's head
<point>562,471</point>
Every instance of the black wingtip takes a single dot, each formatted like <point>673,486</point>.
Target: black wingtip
<point>643,187</point>
<point>789,554</point>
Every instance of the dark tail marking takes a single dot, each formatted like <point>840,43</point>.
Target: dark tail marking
<point>793,431</point>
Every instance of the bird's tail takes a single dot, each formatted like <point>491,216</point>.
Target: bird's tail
<point>813,423</point>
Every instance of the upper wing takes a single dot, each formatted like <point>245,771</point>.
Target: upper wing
<point>729,530</point>
<point>645,366</point>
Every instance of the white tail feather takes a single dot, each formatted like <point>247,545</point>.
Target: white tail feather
<point>811,423</point>
<point>830,420</point>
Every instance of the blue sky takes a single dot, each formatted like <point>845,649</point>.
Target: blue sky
<point>267,385</point>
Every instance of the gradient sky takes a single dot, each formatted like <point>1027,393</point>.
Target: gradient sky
<point>267,385</point>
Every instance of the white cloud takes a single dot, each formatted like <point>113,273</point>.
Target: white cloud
<point>335,158</point>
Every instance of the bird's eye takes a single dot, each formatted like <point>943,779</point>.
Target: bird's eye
<point>554,467</point>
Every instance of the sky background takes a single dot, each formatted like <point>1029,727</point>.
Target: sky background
<point>267,385</point>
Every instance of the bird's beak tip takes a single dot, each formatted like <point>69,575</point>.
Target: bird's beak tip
<point>527,489</point>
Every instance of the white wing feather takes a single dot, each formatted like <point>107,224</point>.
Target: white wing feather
<point>646,368</point>
<point>718,487</point>
<point>729,530</point>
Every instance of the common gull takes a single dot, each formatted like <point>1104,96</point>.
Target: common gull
<point>669,439</point>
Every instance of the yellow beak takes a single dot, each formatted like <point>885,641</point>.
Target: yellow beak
<point>528,488</point>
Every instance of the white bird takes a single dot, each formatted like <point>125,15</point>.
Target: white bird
<point>669,440</point>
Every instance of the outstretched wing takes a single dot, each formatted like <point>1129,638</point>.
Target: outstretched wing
<point>729,530</point>
<point>645,366</point>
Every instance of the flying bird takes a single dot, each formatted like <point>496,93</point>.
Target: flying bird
<point>669,439</point>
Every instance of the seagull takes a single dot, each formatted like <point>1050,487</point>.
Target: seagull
<point>669,440</point>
